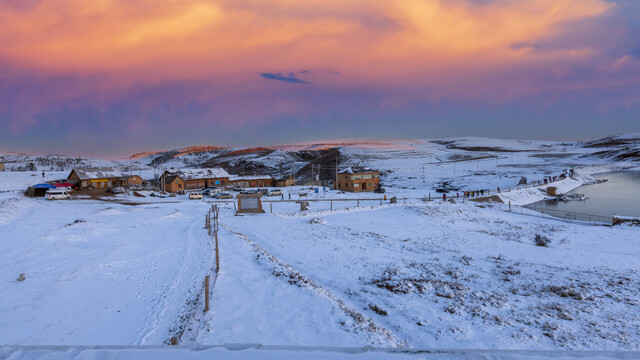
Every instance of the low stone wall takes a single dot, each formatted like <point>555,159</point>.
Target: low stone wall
<point>629,221</point>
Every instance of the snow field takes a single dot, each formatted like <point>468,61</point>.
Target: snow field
<point>457,276</point>
<point>99,274</point>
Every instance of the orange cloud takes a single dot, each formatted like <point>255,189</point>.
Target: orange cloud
<point>368,41</point>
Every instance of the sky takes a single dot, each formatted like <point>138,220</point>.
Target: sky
<point>108,78</point>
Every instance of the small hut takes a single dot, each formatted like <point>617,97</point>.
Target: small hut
<point>552,190</point>
<point>39,189</point>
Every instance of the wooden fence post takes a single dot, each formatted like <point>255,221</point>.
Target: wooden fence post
<point>331,203</point>
<point>271,207</point>
<point>206,293</point>
<point>380,201</point>
<point>358,203</point>
<point>217,253</point>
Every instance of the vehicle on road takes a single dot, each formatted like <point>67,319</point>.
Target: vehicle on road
<point>55,194</point>
<point>195,195</point>
<point>275,192</point>
<point>223,195</point>
<point>379,190</point>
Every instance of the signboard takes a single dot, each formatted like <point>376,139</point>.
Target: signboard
<point>249,203</point>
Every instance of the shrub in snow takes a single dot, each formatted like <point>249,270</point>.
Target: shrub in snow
<point>542,240</point>
<point>378,310</point>
<point>318,220</point>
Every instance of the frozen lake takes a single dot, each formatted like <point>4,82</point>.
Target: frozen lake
<point>619,195</point>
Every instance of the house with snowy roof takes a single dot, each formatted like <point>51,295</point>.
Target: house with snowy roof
<point>251,180</point>
<point>355,179</point>
<point>197,178</point>
<point>94,178</point>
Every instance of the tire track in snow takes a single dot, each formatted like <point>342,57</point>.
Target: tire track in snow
<point>364,323</point>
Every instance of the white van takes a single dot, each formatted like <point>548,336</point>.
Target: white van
<point>55,194</point>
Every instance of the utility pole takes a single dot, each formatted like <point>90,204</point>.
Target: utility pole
<point>313,167</point>
<point>335,184</point>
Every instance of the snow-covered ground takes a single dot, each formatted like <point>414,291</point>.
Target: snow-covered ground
<point>128,270</point>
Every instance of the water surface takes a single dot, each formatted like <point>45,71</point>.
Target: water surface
<point>620,195</point>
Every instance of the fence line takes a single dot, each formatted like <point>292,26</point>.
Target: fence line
<point>557,214</point>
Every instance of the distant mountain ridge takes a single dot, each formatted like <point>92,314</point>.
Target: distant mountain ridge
<point>320,159</point>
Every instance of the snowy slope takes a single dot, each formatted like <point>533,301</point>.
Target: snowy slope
<point>347,273</point>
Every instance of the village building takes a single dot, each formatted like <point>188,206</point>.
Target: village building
<point>1,165</point>
<point>94,178</point>
<point>130,180</point>
<point>173,183</point>
<point>357,180</point>
<point>196,178</point>
<point>251,180</point>
<point>284,181</point>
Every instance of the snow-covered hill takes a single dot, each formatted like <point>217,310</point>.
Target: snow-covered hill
<point>413,274</point>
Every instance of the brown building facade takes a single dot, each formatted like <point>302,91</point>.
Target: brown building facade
<point>94,178</point>
<point>251,180</point>
<point>131,180</point>
<point>173,183</point>
<point>358,182</point>
<point>284,182</point>
<point>197,178</point>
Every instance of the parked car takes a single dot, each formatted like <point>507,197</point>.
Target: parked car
<point>118,190</point>
<point>223,195</point>
<point>237,188</point>
<point>379,190</point>
<point>275,192</point>
<point>249,192</point>
<point>195,195</point>
<point>262,191</point>
<point>211,191</point>
<point>55,194</point>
